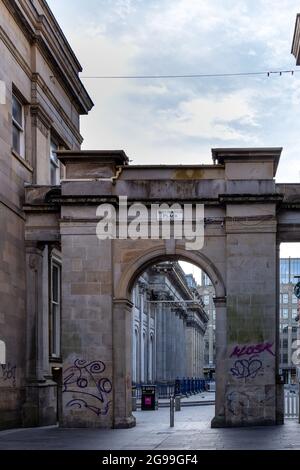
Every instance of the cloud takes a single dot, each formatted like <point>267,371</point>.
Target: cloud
<point>178,121</point>
<point>226,117</point>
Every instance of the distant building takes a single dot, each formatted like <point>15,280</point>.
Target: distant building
<point>289,267</point>
<point>169,323</point>
<point>207,292</point>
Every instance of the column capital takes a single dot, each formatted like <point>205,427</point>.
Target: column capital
<point>219,301</point>
<point>123,302</point>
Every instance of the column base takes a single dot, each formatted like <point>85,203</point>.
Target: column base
<point>40,407</point>
<point>220,422</point>
<point>124,423</point>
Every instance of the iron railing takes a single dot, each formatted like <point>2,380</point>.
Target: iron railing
<point>184,386</point>
<point>291,404</point>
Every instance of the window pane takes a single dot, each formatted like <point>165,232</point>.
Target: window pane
<point>17,111</point>
<point>55,312</point>
<point>16,139</point>
<point>55,284</point>
<point>53,154</point>
<point>284,313</point>
<point>54,172</point>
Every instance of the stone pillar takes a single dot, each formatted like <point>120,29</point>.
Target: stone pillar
<point>221,348</point>
<point>122,409</point>
<point>279,379</point>
<point>159,342</point>
<point>40,407</point>
<point>87,327</point>
<point>246,367</point>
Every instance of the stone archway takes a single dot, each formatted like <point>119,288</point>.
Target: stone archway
<point>246,215</point>
<point>122,322</point>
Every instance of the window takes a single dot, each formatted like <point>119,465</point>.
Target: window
<point>137,297</point>
<point>285,358</point>
<point>284,328</point>
<point>55,309</point>
<point>18,127</point>
<point>294,299</point>
<point>285,343</point>
<point>54,164</point>
<point>284,313</point>
<point>294,329</point>
<point>206,299</point>
<point>284,298</point>
<point>294,313</point>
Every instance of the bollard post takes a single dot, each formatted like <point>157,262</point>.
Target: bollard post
<point>171,411</point>
<point>178,403</point>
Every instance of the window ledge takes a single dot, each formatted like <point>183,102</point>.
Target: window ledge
<point>22,160</point>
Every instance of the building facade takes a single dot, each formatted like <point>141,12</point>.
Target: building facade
<point>42,99</point>
<point>289,317</point>
<point>168,326</point>
<point>207,292</point>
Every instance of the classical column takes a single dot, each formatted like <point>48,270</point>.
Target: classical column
<point>40,407</point>
<point>221,362</point>
<point>279,384</point>
<point>122,380</point>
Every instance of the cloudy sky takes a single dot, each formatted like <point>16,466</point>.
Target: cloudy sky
<point>179,120</point>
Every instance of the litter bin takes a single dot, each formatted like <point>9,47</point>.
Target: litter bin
<point>148,397</point>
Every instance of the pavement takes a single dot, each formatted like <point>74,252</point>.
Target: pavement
<point>192,431</point>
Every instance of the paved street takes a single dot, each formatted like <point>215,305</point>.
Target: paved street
<point>192,431</point>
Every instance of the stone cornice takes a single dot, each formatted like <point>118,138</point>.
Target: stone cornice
<point>296,40</point>
<point>37,80</point>
<point>43,30</point>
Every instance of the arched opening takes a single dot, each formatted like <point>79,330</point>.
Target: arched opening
<point>289,326</point>
<point>174,318</point>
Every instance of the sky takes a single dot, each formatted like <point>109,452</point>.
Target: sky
<point>180,120</point>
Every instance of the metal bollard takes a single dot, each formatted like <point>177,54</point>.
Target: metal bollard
<point>178,403</point>
<point>171,411</point>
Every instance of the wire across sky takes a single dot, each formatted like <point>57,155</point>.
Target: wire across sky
<point>267,73</point>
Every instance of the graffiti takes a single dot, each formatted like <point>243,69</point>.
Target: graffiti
<point>245,403</point>
<point>252,349</point>
<point>237,403</point>
<point>244,368</point>
<point>9,373</point>
<point>82,378</point>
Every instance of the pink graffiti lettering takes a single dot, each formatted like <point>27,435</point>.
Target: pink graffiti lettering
<point>252,349</point>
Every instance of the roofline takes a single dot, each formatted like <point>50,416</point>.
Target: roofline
<point>119,156</point>
<point>221,154</point>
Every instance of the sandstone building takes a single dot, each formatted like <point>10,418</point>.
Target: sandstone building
<point>42,100</point>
